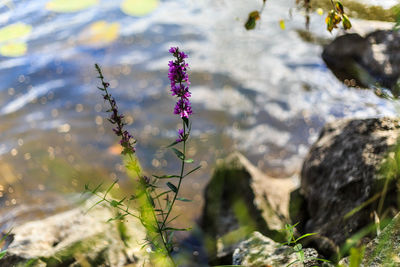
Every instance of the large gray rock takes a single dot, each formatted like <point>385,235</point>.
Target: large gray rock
<point>366,61</point>
<point>340,174</point>
<point>239,199</point>
<point>77,238</point>
<point>260,250</point>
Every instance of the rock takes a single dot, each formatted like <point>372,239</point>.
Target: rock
<point>366,61</point>
<point>77,238</point>
<point>259,250</point>
<point>384,250</point>
<point>340,174</point>
<point>239,199</point>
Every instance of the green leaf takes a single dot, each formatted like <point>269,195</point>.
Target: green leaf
<point>163,193</point>
<point>118,217</point>
<point>195,169</point>
<point>111,187</point>
<point>177,216</point>
<point>346,22</point>
<point>300,255</point>
<point>298,247</point>
<point>172,187</point>
<point>189,160</point>
<point>171,145</point>
<point>186,121</point>
<point>139,7</point>
<point>114,203</point>
<point>304,236</point>
<point>97,188</point>
<point>339,7</point>
<point>178,153</point>
<point>183,199</point>
<point>251,21</point>
<point>67,6</point>
<point>3,253</point>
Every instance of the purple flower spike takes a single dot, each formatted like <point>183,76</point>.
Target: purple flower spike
<point>181,136</point>
<point>180,82</point>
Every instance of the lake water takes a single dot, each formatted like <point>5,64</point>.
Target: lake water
<point>265,92</point>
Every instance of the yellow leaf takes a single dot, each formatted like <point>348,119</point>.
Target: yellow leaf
<point>67,6</point>
<point>99,33</point>
<point>346,22</point>
<point>282,24</point>
<point>13,49</point>
<point>14,31</point>
<point>139,7</point>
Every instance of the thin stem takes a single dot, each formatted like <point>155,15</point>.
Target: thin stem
<point>118,207</point>
<point>180,177</point>
<point>333,5</point>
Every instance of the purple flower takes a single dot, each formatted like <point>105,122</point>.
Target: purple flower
<point>179,79</point>
<point>181,136</point>
<point>183,108</point>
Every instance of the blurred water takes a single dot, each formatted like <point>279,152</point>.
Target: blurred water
<point>264,92</point>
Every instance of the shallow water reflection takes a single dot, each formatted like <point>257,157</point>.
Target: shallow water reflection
<point>265,93</point>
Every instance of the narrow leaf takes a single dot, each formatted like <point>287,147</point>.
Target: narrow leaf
<point>172,144</point>
<point>172,187</point>
<point>195,169</point>
<point>163,193</point>
<point>304,236</point>
<point>3,253</point>
<point>189,160</point>
<point>183,199</point>
<point>97,188</point>
<point>178,153</point>
<point>177,216</point>
<point>186,120</point>
<point>111,187</point>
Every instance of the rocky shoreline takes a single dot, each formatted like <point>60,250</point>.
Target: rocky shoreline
<point>245,211</point>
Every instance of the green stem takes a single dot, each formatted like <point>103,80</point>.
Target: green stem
<point>180,177</point>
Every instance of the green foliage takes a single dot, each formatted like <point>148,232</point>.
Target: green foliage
<point>297,247</point>
<point>335,16</point>
<point>154,204</point>
<point>356,256</point>
<point>358,9</point>
<point>253,17</point>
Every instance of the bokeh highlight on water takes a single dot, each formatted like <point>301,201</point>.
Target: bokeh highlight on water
<point>264,92</point>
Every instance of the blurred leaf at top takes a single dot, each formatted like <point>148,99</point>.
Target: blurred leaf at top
<point>66,6</point>
<point>99,33</point>
<point>251,21</point>
<point>282,24</point>
<point>14,31</point>
<point>139,7</point>
<point>13,49</point>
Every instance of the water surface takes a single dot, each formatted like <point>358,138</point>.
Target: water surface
<point>265,92</point>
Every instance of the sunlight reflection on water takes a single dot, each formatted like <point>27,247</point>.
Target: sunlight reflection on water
<point>265,92</point>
